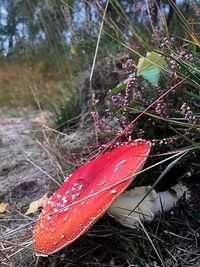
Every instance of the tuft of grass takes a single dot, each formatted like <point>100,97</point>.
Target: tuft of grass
<point>69,113</point>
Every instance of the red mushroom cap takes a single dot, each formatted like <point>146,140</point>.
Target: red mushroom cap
<point>86,194</point>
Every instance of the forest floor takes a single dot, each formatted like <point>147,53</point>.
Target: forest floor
<point>23,161</point>
<point>25,171</point>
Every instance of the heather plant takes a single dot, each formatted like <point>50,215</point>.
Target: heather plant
<point>135,94</point>
<point>159,101</point>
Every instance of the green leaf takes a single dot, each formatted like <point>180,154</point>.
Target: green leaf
<point>149,67</point>
<point>195,96</point>
<point>120,87</point>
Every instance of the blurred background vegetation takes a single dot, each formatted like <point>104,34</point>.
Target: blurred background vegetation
<point>45,45</point>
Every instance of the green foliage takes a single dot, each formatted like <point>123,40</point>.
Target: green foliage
<point>69,113</point>
<point>150,66</point>
<point>119,88</point>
